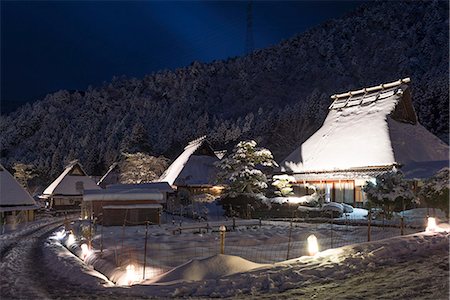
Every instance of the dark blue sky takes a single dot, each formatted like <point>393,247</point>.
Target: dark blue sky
<point>47,46</point>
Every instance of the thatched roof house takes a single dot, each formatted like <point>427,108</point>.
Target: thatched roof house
<point>66,192</point>
<point>194,169</point>
<point>366,132</point>
<point>16,204</point>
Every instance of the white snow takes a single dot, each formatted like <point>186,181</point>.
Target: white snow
<point>206,268</point>
<point>191,169</point>
<point>365,136</point>
<point>65,184</point>
<point>12,193</point>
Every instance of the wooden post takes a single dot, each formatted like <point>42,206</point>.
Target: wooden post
<point>402,226</point>
<point>101,240</point>
<point>369,220</point>
<point>90,234</point>
<point>145,250</point>
<point>222,230</point>
<point>331,229</point>
<point>234,223</point>
<point>289,241</point>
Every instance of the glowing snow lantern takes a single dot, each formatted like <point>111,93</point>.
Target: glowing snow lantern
<point>70,240</point>
<point>431,226</point>
<point>131,274</point>
<point>313,246</point>
<point>85,252</point>
<point>60,234</point>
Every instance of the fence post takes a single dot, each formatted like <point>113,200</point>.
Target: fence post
<point>260,223</point>
<point>369,220</point>
<point>289,241</point>
<point>101,239</point>
<point>402,226</point>
<point>222,230</point>
<point>234,223</point>
<point>331,229</point>
<point>145,250</point>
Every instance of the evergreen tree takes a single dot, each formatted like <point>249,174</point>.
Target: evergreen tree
<point>23,173</point>
<point>435,191</point>
<point>390,191</point>
<point>137,141</point>
<point>242,169</point>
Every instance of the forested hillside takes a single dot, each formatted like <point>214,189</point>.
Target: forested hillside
<point>278,96</point>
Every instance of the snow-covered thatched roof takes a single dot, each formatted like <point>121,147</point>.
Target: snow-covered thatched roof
<point>369,128</point>
<point>73,181</point>
<point>110,177</point>
<point>163,187</point>
<point>12,195</point>
<point>195,166</point>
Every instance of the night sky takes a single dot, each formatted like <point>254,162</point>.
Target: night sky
<point>47,46</point>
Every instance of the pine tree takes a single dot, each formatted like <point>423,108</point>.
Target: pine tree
<point>137,141</point>
<point>242,169</point>
<point>435,191</point>
<point>390,190</point>
<point>23,173</point>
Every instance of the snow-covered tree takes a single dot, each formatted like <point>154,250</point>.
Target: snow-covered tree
<point>137,141</point>
<point>140,167</point>
<point>23,173</point>
<point>284,184</point>
<point>435,191</point>
<point>390,190</point>
<point>242,168</point>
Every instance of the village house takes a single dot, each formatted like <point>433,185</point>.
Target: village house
<point>16,204</point>
<point>367,132</point>
<point>123,205</point>
<point>66,192</point>
<point>194,171</point>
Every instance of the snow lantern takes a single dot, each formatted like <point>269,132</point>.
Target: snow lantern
<point>313,246</point>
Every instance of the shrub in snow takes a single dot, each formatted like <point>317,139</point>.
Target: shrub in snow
<point>242,205</point>
<point>242,169</point>
<point>435,191</point>
<point>390,191</point>
<point>336,209</point>
<point>347,208</point>
<point>284,185</point>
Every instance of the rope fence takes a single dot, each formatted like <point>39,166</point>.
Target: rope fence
<point>161,248</point>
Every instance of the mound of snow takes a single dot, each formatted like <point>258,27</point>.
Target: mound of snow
<point>347,208</point>
<point>333,206</point>
<point>207,268</point>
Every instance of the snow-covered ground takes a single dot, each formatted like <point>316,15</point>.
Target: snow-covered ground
<point>115,248</point>
<point>38,267</point>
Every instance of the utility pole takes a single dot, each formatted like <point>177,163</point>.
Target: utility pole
<point>249,36</point>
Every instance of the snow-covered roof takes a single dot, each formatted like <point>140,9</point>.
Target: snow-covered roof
<point>12,195</point>
<point>195,166</point>
<point>133,206</point>
<point>157,186</point>
<point>116,194</point>
<point>371,127</point>
<point>71,182</point>
<point>107,177</point>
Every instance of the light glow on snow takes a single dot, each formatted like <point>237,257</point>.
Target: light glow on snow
<point>85,251</point>
<point>431,227</point>
<point>60,234</point>
<point>132,276</point>
<point>70,239</point>
<point>313,246</point>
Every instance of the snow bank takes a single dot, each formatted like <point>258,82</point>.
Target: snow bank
<point>332,264</point>
<point>207,268</point>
